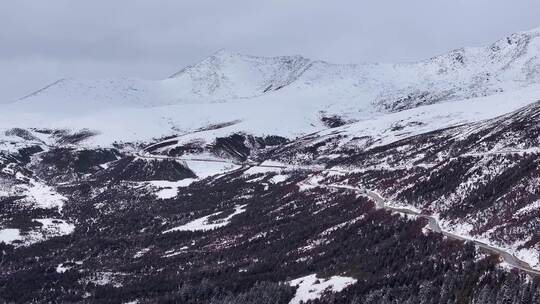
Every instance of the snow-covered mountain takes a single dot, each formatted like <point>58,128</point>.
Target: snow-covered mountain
<point>506,64</point>
<point>243,178</point>
<point>226,75</point>
<point>266,94</point>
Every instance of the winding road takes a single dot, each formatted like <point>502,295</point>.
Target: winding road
<point>380,202</point>
<point>434,226</point>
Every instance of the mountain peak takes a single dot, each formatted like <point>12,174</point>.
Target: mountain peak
<point>226,54</point>
<point>231,74</point>
<point>214,59</point>
<point>223,52</point>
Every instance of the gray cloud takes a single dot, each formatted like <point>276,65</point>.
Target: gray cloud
<point>42,41</point>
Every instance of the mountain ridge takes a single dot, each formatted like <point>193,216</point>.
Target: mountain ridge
<point>227,75</point>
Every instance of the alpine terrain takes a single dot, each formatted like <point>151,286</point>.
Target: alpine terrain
<point>244,179</point>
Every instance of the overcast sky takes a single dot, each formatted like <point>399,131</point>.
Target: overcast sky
<point>42,41</point>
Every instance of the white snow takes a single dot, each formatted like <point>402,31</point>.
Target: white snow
<point>529,255</point>
<point>276,179</point>
<point>61,268</point>
<point>41,195</point>
<point>310,287</point>
<point>172,253</point>
<point>437,116</point>
<point>9,235</point>
<point>141,252</point>
<point>204,169</point>
<point>49,228</point>
<point>203,223</point>
<point>530,207</point>
<point>168,189</point>
<point>261,170</point>
<point>305,187</point>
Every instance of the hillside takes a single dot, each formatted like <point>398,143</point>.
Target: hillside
<point>244,179</point>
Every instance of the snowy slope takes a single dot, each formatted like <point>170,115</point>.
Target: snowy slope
<point>286,96</point>
<point>226,75</point>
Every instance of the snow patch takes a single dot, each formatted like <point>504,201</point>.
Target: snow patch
<point>49,228</point>
<point>9,235</point>
<point>204,224</point>
<point>311,288</point>
<point>204,169</point>
<point>168,189</point>
<point>276,179</point>
<point>261,170</point>
<point>61,268</point>
<point>172,253</point>
<point>41,195</point>
<point>141,252</point>
<point>529,208</point>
